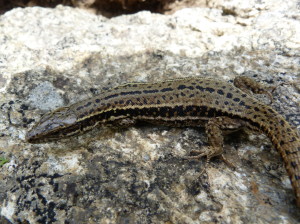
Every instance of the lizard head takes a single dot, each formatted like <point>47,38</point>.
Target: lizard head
<point>52,126</point>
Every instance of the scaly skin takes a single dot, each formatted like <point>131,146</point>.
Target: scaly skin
<point>181,102</point>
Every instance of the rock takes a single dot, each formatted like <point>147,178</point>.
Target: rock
<point>53,57</point>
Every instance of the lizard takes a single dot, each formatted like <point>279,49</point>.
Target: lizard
<point>192,101</point>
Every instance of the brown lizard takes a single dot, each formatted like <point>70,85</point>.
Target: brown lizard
<point>195,101</point>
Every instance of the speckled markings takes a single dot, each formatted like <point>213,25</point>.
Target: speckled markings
<point>181,102</point>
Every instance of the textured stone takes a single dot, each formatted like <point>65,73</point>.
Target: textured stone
<point>53,57</point>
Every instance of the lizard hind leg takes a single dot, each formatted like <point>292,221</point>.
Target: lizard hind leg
<point>249,85</point>
<point>215,128</point>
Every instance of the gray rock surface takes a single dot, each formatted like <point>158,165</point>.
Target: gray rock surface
<point>53,57</point>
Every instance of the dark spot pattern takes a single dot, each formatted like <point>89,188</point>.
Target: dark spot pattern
<point>130,93</point>
<point>88,104</point>
<point>164,111</point>
<point>150,91</point>
<point>189,109</point>
<point>79,108</point>
<point>221,92</point>
<point>180,87</point>
<point>208,89</point>
<point>211,90</point>
<point>166,90</point>
<point>111,96</point>
<point>229,95</point>
<point>200,88</point>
